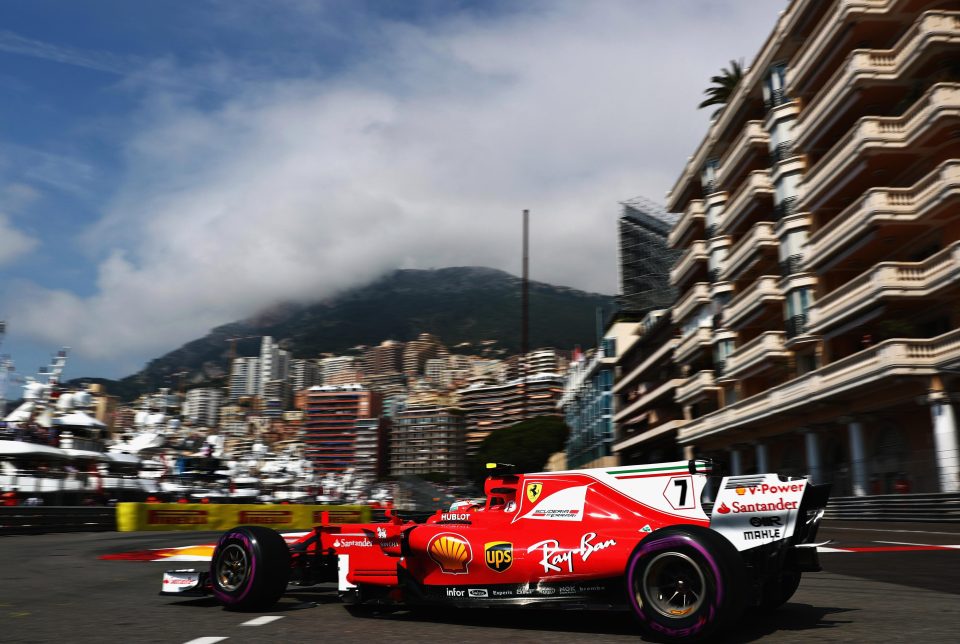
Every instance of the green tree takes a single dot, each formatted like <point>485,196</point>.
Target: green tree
<point>527,444</point>
<point>723,86</point>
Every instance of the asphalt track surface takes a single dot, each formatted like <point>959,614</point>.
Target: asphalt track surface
<point>53,588</point>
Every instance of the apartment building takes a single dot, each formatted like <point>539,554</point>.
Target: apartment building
<point>274,363</point>
<point>330,432</point>
<point>341,370</point>
<point>244,377</point>
<point>371,448</point>
<point>429,440</point>
<point>819,281</point>
<point>385,358</point>
<point>587,407</point>
<point>417,352</point>
<point>492,407</point>
<point>201,406</point>
<point>303,374</point>
<point>646,414</point>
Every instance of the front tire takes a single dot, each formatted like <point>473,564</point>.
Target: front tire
<point>685,583</point>
<point>250,568</point>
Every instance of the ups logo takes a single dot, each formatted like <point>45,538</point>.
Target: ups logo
<point>498,555</point>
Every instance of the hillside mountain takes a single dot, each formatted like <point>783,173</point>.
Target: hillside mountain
<point>458,305</point>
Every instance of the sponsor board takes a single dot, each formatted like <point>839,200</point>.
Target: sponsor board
<point>223,516</point>
<point>265,517</point>
<point>754,510</point>
<point>177,517</point>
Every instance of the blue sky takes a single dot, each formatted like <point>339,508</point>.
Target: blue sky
<point>166,167</point>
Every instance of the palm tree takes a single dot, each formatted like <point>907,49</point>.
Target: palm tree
<point>723,86</point>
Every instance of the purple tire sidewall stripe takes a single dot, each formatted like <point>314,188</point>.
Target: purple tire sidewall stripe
<point>666,543</point>
<point>228,598</point>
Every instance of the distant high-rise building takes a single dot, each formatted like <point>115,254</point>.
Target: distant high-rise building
<point>202,406</point>
<point>417,352</point>
<point>274,363</point>
<point>244,378</point>
<point>341,370</point>
<point>492,407</point>
<point>277,397</point>
<point>304,374</point>
<point>429,440</point>
<point>384,359</point>
<point>330,417</point>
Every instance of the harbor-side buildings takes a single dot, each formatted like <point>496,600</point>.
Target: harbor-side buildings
<point>819,283</point>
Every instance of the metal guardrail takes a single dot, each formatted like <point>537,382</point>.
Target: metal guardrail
<point>40,519</point>
<point>922,508</point>
<point>926,508</point>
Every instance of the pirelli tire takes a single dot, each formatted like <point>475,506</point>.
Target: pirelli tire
<point>250,568</point>
<point>685,583</point>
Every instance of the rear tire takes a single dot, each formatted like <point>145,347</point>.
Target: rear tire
<point>250,568</point>
<point>686,583</point>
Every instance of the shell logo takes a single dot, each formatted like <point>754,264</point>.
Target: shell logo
<point>741,491</point>
<point>451,552</point>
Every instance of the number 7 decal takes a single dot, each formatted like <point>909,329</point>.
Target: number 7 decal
<point>679,493</point>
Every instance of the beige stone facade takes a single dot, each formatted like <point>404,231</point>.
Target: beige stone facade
<point>819,282</point>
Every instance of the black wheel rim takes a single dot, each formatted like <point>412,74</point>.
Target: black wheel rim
<point>672,584</point>
<point>233,566</point>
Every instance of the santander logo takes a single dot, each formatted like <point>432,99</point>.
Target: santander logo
<point>723,509</point>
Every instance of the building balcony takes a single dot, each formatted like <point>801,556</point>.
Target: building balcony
<point>695,297</point>
<point>759,242</point>
<point>873,144</point>
<point>850,21</point>
<point>763,293</point>
<point>838,380</point>
<point>752,144</point>
<point>646,398</point>
<point>889,212</point>
<point>699,340</point>
<point>868,76</point>
<point>783,152</point>
<point>693,258</point>
<point>696,387</point>
<point>755,193</point>
<point>761,353</point>
<point>690,224</point>
<point>886,281</point>
<point>627,442</point>
<point>663,352</point>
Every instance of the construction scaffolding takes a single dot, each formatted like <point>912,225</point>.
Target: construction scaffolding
<point>645,258</point>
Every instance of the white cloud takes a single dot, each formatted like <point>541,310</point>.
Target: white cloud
<point>14,243</point>
<point>422,154</point>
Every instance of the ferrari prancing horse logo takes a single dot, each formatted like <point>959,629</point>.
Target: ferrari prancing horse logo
<point>533,491</point>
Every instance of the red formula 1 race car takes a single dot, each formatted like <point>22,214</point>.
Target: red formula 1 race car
<point>633,538</point>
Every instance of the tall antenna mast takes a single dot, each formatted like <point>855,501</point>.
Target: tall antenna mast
<point>525,305</point>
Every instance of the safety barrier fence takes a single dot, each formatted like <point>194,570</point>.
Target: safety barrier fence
<point>39,519</point>
<point>928,508</point>
<point>924,508</point>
